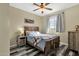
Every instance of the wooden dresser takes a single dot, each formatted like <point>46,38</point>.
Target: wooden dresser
<point>73,40</point>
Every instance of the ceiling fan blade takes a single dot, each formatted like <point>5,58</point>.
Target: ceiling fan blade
<point>47,4</point>
<point>35,9</point>
<point>48,8</point>
<point>35,4</point>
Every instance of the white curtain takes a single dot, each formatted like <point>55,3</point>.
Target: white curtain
<point>60,24</point>
<point>47,29</point>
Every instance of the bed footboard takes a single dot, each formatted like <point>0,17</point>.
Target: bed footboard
<point>52,45</point>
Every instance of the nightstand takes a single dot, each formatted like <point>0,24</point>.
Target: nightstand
<point>21,41</point>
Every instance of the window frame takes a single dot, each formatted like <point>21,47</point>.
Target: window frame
<point>52,19</point>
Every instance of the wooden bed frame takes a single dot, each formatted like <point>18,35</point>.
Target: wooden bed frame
<point>51,45</point>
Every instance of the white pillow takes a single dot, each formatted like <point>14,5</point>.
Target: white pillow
<point>34,33</point>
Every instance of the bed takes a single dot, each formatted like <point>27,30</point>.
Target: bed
<point>44,42</point>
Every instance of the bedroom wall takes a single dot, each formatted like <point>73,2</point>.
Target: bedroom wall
<point>71,19</point>
<point>17,20</point>
<point>4,30</point>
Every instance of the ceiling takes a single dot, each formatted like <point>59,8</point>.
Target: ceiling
<point>29,7</point>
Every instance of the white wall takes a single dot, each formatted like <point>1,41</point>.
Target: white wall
<point>4,30</point>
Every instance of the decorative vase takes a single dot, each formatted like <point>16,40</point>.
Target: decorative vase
<point>77,27</point>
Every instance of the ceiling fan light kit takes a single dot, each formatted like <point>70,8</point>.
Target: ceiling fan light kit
<point>42,7</point>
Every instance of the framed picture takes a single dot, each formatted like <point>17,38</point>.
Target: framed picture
<point>28,21</point>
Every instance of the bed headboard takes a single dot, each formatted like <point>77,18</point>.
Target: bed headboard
<point>30,28</point>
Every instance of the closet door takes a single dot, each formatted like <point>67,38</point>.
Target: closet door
<point>77,41</point>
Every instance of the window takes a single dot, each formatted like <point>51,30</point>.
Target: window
<point>56,23</point>
<point>52,22</point>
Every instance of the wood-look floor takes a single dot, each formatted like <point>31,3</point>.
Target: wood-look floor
<point>31,51</point>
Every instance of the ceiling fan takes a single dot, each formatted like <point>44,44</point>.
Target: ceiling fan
<point>42,6</point>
